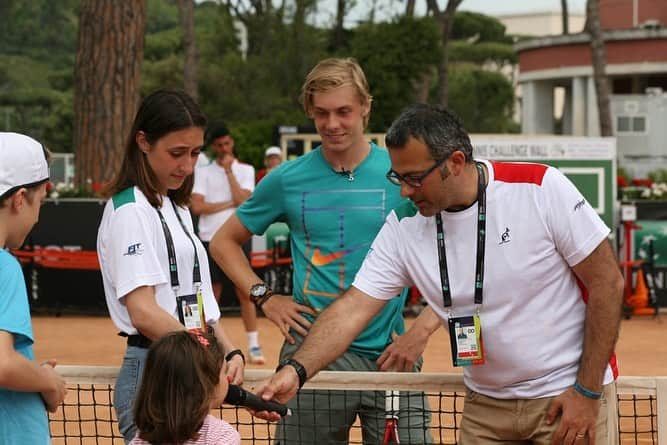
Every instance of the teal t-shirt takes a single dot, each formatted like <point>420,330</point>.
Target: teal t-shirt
<point>23,417</point>
<point>332,221</point>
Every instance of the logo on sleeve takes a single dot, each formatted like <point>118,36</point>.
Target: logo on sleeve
<point>134,249</point>
<point>505,237</point>
<point>579,205</point>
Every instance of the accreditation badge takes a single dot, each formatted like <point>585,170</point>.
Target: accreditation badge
<point>465,336</point>
<point>191,311</point>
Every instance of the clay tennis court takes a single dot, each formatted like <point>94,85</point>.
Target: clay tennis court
<point>642,345</point>
<point>642,351</point>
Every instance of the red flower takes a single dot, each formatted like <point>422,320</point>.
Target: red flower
<point>642,182</point>
<point>97,187</point>
<point>621,182</point>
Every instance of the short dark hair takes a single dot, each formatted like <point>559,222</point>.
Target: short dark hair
<point>160,113</point>
<point>177,387</point>
<point>440,129</point>
<point>216,131</point>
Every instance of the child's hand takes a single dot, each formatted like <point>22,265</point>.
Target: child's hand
<point>235,369</point>
<point>54,397</point>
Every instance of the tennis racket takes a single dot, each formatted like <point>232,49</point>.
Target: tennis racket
<point>391,405</point>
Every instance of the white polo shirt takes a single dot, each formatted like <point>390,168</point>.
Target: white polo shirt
<point>133,252</point>
<point>538,227</point>
<point>211,182</point>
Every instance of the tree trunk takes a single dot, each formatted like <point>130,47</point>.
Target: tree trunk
<point>599,59</point>
<point>565,16</point>
<point>339,31</point>
<point>187,17</point>
<point>106,91</point>
<point>410,8</point>
<point>445,20</point>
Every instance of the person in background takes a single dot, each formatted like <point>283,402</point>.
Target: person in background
<point>183,381</point>
<point>27,389</point>
<point>218,190</point>
<point>273,156</point>
<point>153,265</point>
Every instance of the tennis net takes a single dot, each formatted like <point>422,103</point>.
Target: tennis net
<point>637,414</point>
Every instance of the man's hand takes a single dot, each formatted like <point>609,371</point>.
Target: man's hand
<point>54,397</point>
<point>578,415</point>
<point>235,367</point>
<point>281,387</point>
<point>402,354</point>
<point>227,161</point>
<point>284,312</point>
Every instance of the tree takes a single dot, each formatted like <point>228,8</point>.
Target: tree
<point>600,79</point>
<point>444,19</point>
<point>187,17</point>
<point>106,83</point>
<point>410,8</point>
<point>395,56</point>
<point>565,16</point>
<point>338,34</point>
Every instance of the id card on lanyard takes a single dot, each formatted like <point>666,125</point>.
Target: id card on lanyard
<point>465,332</point>
<point>190,308</point>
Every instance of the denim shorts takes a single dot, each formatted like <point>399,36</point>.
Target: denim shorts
<point>127,384</point>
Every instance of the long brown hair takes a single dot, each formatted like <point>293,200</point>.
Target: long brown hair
<point>177,387</point>
<point>160,113</point>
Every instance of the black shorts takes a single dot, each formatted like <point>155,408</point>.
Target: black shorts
<point>217,275</point>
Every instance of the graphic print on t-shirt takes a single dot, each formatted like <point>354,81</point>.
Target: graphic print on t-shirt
<point>336,224</point>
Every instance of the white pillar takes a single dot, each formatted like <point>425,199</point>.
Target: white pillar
<point>579,99</point>
<point>537,111</point>
<point>592,116</point>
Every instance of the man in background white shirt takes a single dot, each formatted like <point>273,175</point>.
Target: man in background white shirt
<point>219,189</point>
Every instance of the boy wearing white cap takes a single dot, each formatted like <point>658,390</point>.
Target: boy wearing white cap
<point>26,388</point>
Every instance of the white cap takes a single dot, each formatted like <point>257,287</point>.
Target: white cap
<point>22,162</point>
<point>273,151</point>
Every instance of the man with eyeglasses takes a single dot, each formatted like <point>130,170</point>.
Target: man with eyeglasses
<point>518,270</point>
<point>334,200</point>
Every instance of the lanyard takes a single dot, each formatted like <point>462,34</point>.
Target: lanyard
<point>171,251</point>
<point>481,238</point>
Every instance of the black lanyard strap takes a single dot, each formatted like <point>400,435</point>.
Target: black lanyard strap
<point>481,242</point>
<point>171,251</point>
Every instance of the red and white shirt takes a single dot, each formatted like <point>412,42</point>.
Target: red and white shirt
<point>214,431</point>
<point>538,226</point>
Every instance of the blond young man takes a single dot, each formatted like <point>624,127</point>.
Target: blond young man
<point>27,389</point>
<point>334,200</point>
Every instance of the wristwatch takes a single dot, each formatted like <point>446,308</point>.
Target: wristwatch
<point>259,293</point>
<point>298,367</point>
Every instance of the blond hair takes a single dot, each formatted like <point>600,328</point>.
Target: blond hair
<point>333,73</point>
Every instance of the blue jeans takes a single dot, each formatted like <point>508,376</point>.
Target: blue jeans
<point>127,384</point>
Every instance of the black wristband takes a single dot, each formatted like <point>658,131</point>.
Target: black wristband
<point>298,367</point>
<point>231,354</point>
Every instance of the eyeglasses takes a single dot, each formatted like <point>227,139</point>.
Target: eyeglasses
<point>412,180</point>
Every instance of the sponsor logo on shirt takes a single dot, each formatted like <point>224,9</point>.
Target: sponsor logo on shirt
<point>319,259</point>
<point>505,237</point>
<point>134,249</point>
<point>579,205</point>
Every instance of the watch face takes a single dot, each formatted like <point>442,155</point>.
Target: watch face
<point>258,290</point>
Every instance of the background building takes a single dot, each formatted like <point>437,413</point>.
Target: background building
<point>636,51</point>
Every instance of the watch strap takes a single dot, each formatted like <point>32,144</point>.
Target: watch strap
<point>298,367</point>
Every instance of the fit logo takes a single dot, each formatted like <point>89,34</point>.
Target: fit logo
<point>505,237</point>
<point>134,249</point>
<point>579,205</point>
